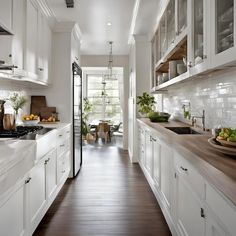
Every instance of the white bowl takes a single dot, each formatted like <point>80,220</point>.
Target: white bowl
<point>30,122</point>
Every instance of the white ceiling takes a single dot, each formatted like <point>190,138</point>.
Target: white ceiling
<point>92,17</point>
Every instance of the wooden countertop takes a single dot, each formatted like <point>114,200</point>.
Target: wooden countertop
<point>218,169</point>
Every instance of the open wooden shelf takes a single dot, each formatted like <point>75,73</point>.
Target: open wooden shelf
<point>177,53</point>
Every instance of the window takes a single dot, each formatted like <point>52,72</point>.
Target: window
<point>105,97</point>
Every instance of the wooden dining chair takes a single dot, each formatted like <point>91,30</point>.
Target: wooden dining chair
<point>103,131</point>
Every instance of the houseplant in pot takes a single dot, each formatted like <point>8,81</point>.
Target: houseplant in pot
<point>145,104</point>
<point>87,108</point>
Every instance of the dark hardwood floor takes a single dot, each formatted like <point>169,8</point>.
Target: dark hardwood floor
<point>110,196</point>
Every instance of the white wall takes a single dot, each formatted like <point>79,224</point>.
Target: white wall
<point>118,61</point>
<point>8,87</point>
<point>216,94</point>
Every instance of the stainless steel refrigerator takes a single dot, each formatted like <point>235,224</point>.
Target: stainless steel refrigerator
<point>77,118</point>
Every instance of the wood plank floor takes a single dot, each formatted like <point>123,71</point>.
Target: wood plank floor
<point>110,197</point>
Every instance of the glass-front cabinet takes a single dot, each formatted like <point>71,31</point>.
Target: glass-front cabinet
<point>163,37</point>
<point>181,15</point>
<point>170,15</point>
<point>199,52</point>
<point>223,22</point>
<point>224,25</point>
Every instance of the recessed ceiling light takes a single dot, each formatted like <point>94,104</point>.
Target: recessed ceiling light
<point>108,23</point>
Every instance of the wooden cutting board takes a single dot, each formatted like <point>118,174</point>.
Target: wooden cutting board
<point>46,112</point>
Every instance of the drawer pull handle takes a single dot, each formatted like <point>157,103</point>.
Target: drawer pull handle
<point>63,171</point>
<point>153,139</point>
<point>202,213</point>
<point>68,132</point>
<point>62,145</point>
<point>28,180</point>
<point>184,169</point>
<point>60,135</point>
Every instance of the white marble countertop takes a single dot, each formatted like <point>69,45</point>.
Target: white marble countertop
<point>13,151</point>
<point>58,125</point>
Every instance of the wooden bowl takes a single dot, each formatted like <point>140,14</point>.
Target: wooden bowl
<point>223,149</point>
<point>227,143</point>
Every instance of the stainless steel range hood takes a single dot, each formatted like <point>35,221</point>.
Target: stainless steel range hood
<point>4,31</point>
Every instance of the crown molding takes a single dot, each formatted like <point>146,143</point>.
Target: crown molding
<point>133,21</point>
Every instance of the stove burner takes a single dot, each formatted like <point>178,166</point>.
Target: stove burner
<point>20,131</point>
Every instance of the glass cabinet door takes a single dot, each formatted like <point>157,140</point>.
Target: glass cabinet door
<point>163,40</point>
<point>224,25</point>
<point>182,15</point>
<point>153,61</point>
<point>170,15</point>
<point>158,52</point>
<point>198,31</point>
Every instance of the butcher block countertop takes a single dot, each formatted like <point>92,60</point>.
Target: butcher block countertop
<point>218,169</point>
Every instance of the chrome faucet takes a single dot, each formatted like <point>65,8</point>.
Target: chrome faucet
<point>203,117</point>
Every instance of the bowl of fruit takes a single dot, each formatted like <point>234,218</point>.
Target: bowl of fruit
<point>227,137</point>
<point>30,120</point>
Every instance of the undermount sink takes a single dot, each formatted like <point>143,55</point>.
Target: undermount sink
<point>182,130</point>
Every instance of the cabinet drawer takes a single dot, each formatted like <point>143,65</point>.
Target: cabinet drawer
<point>223,208</point>
<point>63,146</point>
<point>64,133</point>
<point>63,166</point>
<point>190,175</point>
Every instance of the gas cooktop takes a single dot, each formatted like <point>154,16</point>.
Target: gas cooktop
<point>20,131</point>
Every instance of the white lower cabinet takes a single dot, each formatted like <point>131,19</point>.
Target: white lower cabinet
<point>166,170</point>
<point>213,227</point>
<point>148,152</point>
<point>156,161</point>
<point>191,206</point>
<point>190,217</point>
<point>12,212</point>
<point>37,193</point>
<point>51,174</point>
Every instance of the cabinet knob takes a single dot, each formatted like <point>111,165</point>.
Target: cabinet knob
<point>62,145</point>
<point>28,180</point>
<point>153,139</point>
<point>184,169</point>
<point>40,69</point>
<point>60,135</point>
<point>204,56</point>
<point>63,171</point>
<point>190,64</point>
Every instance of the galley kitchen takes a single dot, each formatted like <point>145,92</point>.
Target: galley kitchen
<point>117,117</point>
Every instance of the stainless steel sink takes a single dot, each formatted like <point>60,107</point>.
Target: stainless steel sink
<point>183,130</point>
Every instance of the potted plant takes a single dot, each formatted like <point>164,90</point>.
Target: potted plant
<point>145,103</point>
<point>87,108</point>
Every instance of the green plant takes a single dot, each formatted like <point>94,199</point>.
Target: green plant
<point>145,103</point>
<point>18,101</point>
<point>87,108</point>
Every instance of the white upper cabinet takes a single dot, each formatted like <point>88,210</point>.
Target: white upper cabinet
<point>18,28</point>
<point>6,14</point>
<point>43,48</point>
<point>181,16</point>
<point>199,53</point>
<point>223,45</point>
<point>31,39</point>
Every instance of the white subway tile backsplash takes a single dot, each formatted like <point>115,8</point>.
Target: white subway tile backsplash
<point>215,94</point>
<point>7,88</point>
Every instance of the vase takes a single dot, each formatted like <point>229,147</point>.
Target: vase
<point>18,120</point>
